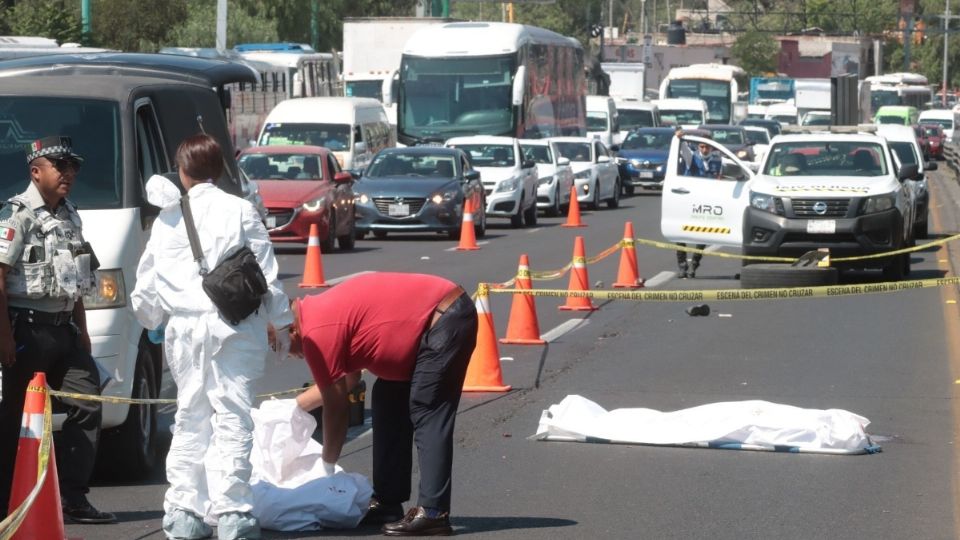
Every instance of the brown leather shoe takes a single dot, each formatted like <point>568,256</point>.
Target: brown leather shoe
<point>416,523</point>
<point>379,513</point>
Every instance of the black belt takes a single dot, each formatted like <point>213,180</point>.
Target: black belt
<point>51,318</point>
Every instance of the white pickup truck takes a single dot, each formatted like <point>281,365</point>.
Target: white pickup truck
<point>820,189</point>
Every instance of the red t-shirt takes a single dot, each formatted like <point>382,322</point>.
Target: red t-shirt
<point>373,321</point>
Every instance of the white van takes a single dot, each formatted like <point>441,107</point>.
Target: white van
<point>687,113</point>
<point>602,120</point>
<point>785,113</point>
<point>946,118</point>
<point>634,114</point>
<point>354,129</point>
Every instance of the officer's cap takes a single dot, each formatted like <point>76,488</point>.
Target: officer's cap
<point>55,146</point>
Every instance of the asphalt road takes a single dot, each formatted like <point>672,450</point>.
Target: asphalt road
<point>889,357</point>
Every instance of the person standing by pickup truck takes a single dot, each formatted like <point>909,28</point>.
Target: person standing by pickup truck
<point>706,163</point>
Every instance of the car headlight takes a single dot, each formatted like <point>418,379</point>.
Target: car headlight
<point>584,174</point>
<point>661,167</point>
<point>878,203</point>
<point>313,205</point>
<point>362,199</point>
<point>109,292</point>
<point>742,154</point>
<point>510,184</point>
<point>440,198</point>
<point>545,180</point>
<point>636,162</point>
<point>762,201</point>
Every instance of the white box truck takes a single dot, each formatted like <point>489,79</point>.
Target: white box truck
<point>372,47</point>
<point>627,79</point>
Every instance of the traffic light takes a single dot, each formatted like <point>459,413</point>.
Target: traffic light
<point>596,30</point>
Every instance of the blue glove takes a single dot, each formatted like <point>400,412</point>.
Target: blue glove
<point>156,335</point>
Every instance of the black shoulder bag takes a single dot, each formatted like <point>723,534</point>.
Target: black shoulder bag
<point>236,286</point>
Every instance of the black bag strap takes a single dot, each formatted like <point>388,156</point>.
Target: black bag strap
<point>192,234</point>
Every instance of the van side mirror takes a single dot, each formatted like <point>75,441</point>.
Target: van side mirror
<point>519,86</point>
<point>342,177</point>
<point>471,175</point>
<point>908,172</point>
<point>360,147</point>
<point>603,159</point>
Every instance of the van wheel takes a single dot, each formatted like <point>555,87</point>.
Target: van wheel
<point>348,241</point>
<point>778,275</point>
<point>327,244</point>
<point>129,451</point>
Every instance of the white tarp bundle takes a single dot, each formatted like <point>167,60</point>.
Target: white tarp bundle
<point>290,489</point>
<point>746,425</point>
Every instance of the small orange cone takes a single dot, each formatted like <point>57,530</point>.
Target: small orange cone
<point>628,276</point>
<point>44,518</point>
<point>523,328</point>
<point>579,280</point>
<point>468,237</point>
<point>573,212</point>
<point>313,265</point>
<point>483,372</point>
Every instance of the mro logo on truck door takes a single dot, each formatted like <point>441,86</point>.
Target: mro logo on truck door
<point>707,209</point>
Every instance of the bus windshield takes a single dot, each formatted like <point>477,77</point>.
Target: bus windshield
<point>631,119</point>
<point>94,127</point>
<point>442,98</point>
<point>715,93</point>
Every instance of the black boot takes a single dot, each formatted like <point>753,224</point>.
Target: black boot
<point>682,265</point>
<point>692,272</point>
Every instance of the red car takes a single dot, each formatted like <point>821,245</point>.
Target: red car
<point>935,140</point>
<point>300,186</point>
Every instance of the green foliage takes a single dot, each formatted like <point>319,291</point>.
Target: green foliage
<point>756,52</point>
<point>145,32</point>
<point>200,27</point>
<point>57,19</point>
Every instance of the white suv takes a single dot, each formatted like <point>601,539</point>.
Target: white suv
<point>903,142</point>
<point>845,192</point>
<point>509,180</point>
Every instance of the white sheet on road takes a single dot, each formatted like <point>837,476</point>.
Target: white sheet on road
<point>290,489</point>
<point>749,425</point>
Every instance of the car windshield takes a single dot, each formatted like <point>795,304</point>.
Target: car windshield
<point>945,123</point>
<point>596,121</point>
<point>727,137</point>
<point>262,166</point>
<point>904,152</point>
<point>574,151</point>
<point>647,141</point>
<point>757,136</point>
<point>682,117</point>
<point>890,120</point>
<point>336,137</point>
<point>826,158</point>
<point>394,164</point>
<point>94,126</point>
<point>489,155</point>
<point>631,119</point>
<point>537,153</point>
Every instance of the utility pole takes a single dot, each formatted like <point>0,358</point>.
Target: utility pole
<point>221,25</point>
<point>85,22</point>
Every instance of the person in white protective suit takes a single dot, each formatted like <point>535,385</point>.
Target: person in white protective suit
<point>213,363</point>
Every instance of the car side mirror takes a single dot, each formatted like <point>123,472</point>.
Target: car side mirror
<point>342,177</point>
<point>908,172</point>
<point>930,166</point>
<point>603,159</point>
<point>471,175</point>
<point>563,161</point>
<point>527,164</point>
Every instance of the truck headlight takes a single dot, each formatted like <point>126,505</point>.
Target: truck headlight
<point>878,203</point>
<point>762,201</point>
<point>510,184</point>
<point>109,292</point>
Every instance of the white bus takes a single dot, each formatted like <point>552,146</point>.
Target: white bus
<point>719,85</point>
<point>481,78</point>
<point>899,89</point>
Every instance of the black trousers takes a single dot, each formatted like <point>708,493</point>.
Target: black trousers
<point>55,350</point>
<point>695,257</point>
<point>423,410</point>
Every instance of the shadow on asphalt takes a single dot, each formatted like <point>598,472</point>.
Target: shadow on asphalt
<point>474,524</point>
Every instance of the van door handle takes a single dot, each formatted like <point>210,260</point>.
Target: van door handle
<point>680,190</point>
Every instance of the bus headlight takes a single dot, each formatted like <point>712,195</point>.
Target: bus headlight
<point>878,203</point>
<point>109,292</point>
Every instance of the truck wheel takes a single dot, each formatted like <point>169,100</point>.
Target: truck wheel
<point>129,451</point>
<point>921,230</point>
<point>775,276</point>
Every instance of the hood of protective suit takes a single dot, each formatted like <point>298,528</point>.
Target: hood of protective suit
<point>162,192</point>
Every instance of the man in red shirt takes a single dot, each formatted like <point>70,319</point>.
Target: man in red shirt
<point>416,333</point>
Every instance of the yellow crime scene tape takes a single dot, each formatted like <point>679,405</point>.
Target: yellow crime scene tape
<point>10,524</point>
<point>822,291</point>
<point>157,401</point>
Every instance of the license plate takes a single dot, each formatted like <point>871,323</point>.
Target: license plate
<point>271,222</point>
<point>646,174</point>
<point>398,210</point>
<point>822,226</point>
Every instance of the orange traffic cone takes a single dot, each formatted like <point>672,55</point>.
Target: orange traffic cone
<point>468,237</point>
<point>313,265</point>
<point>579,280</point>
<point>483,372</point>
<point>628,276</point>
<point>44,518</point>
<point>573,212</point>
<point>523,328</point>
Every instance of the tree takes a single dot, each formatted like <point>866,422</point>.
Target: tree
<point>199,28</point>
<point>756,52</point>
<point>54,19</point>
<point>114,28</point>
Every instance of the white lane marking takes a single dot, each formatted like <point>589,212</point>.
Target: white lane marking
<point>563,328</point>
<point>659,279</point>
<point>506,359</point>
<point>336,280</point>
<point>533,230</point>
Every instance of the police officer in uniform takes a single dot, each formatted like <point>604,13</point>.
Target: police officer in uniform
<point>45,268</point>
